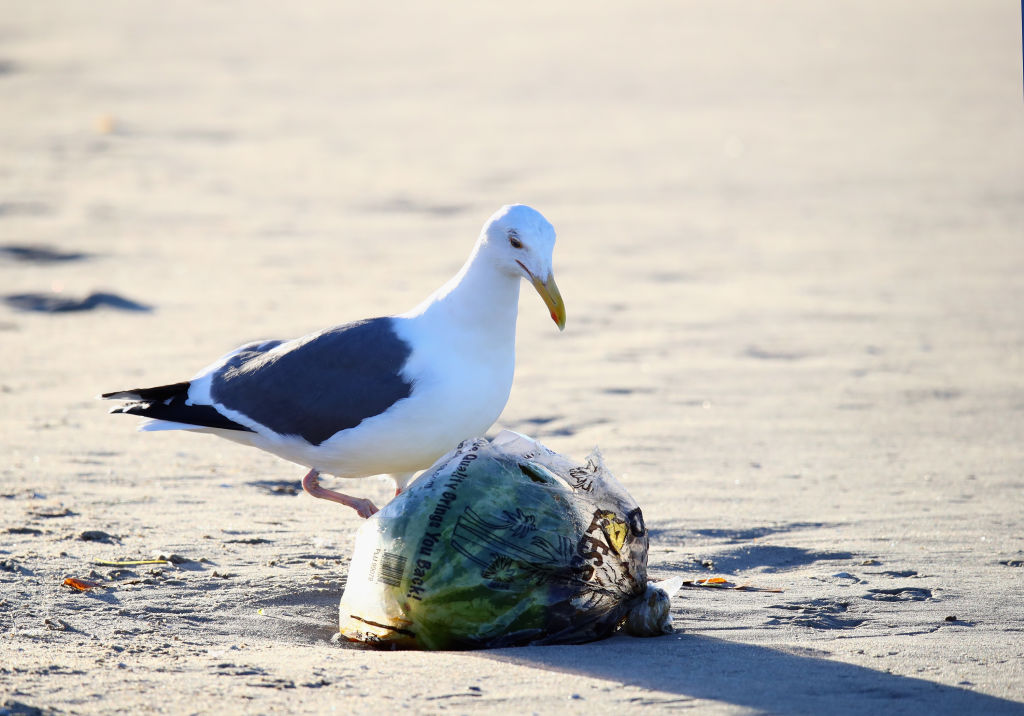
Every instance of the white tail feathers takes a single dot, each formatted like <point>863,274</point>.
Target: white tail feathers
<point>150,426</point>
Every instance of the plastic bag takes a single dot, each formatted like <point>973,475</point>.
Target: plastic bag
<point>503,543</point>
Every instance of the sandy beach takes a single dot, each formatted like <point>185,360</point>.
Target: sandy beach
<point>790,247</point>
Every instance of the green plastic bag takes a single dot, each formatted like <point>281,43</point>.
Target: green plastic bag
<point>503,543</point>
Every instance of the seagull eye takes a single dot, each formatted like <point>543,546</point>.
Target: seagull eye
<point>516,243</point>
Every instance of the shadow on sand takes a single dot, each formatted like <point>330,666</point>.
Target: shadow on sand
<point>756,677</point>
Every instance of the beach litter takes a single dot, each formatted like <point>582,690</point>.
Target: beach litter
<point>723,583</point>
<point>504,543</point>
<point>81,585</point>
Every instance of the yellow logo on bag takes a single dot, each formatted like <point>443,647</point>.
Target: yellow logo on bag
<point>615,531</point>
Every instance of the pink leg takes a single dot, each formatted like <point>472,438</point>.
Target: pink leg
<point>311,484</point>
<point>402,479</point>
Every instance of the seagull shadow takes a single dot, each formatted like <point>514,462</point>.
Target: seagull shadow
<point>771,558</point>
<point>686,667</point>
<point>676,534</point>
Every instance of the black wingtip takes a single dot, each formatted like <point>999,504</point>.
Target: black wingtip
<point>174,409</point>
<point>156,394</point>
<point>120,395</point>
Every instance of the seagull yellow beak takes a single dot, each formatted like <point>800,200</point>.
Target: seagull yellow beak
<point>548,290</point>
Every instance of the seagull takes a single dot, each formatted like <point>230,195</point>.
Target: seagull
<point>380,396</point>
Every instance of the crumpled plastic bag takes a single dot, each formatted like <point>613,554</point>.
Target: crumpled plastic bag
<point>504,543</point>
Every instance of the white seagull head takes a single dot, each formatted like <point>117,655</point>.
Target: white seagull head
<point>522,242</point>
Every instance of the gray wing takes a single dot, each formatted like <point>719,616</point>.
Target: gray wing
<point>319,385</point>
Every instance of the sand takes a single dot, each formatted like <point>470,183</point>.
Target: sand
<point>790,248</point>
